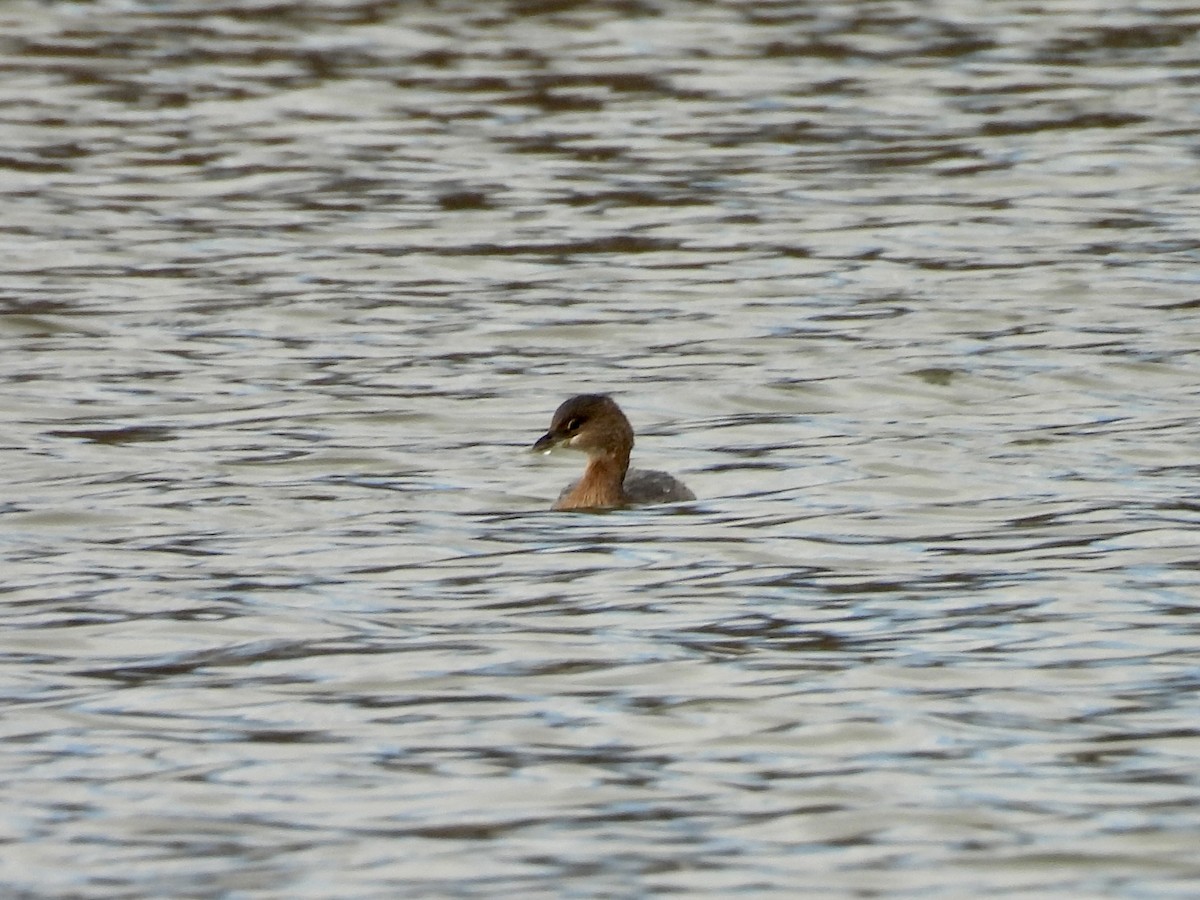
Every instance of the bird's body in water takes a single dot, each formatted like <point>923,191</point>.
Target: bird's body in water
<point>595,425</point>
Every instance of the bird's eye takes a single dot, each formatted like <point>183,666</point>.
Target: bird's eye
<point>573,424</point>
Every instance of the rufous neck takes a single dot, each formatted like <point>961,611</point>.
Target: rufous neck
<point>602,484</point>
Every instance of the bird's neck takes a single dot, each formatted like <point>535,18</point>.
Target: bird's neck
<point>602,484</point>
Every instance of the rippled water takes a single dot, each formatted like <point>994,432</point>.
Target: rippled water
<point>906,292</point>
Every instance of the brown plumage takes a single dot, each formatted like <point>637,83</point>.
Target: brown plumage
<point>595,424</point>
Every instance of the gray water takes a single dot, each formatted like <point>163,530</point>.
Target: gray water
<point>906,293</point>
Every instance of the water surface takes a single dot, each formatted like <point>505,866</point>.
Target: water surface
<point>905,292</point>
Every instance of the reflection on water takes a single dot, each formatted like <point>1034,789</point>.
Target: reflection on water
<point>906,294</point>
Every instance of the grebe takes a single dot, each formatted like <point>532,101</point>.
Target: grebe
<point>595,424</point>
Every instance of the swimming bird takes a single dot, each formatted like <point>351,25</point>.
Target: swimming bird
<point>594,424</point>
